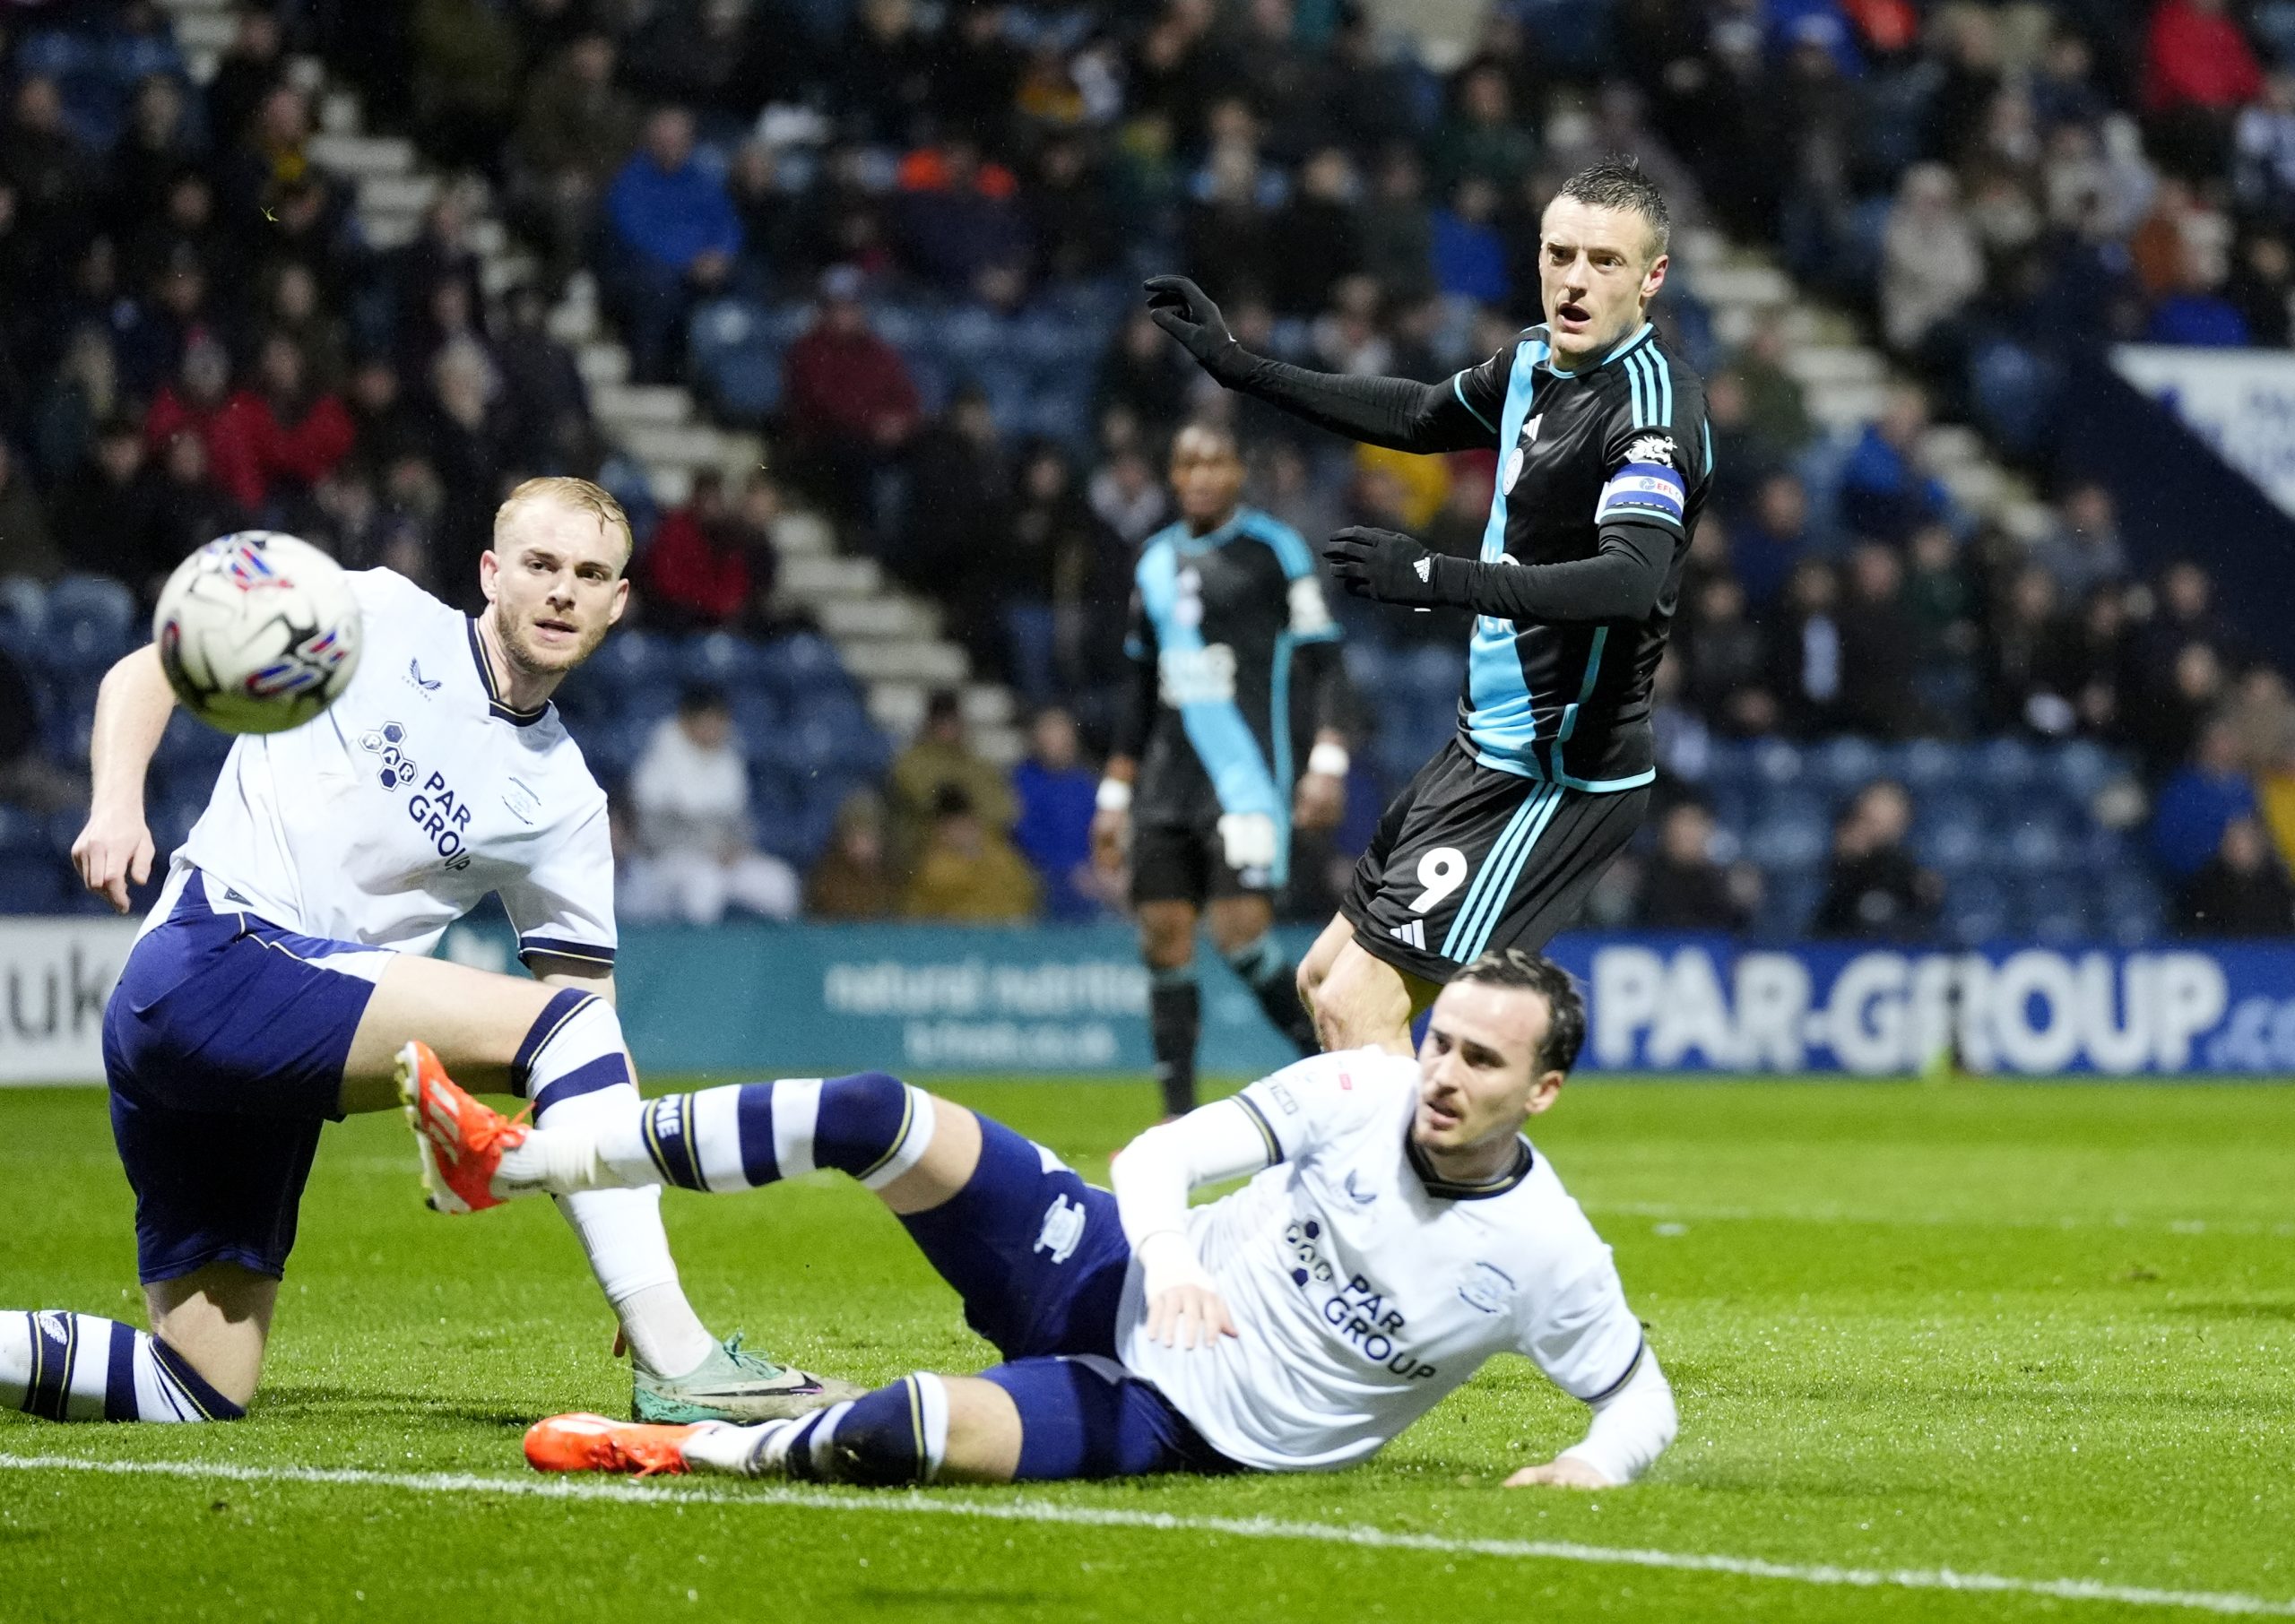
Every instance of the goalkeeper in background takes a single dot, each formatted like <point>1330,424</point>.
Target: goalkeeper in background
<point>1235,663</point>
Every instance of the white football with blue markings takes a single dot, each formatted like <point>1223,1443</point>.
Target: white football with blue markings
<point>258,631</point>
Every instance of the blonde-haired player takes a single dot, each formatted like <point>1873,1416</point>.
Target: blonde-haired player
<point>285,966</point>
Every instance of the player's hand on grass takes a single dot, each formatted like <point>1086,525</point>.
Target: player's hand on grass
<point>1185,311</point>
<point>113,850</point>
<point>1563,1472</point>
<point>1188,1316</point>
<point>1319,801</point>
<point>1381,563</point>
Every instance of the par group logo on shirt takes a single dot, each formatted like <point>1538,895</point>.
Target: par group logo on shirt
<point>388,742</point>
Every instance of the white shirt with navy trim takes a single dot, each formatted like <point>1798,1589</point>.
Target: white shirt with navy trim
<point>1365,1290</point>
<point>395,812</point>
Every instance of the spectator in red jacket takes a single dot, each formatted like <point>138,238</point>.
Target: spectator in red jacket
<point>275,432</point>
<point>849,401</point>
<point>2197,57</point>
<point>710,562</point>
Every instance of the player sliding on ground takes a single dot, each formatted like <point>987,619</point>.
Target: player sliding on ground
<point>284,966</point>
<point>1604,462</point>
<point>1398,1231</point>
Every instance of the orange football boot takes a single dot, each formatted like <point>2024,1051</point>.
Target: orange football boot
<point>461,1141</point>
<point>591,1443</point>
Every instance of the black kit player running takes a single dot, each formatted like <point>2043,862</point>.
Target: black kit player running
<point>1605,468</point>
<point>1235,675</point>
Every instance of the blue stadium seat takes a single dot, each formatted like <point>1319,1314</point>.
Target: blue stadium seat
<point>2007,764</point>
<point>1846,764</point>
<point>629,657</point>
<point>725,657</point>
<point>1923,765</point>
<point>96,602</point>
<point>803,662</point>
<point>1788,841</point>
<point>2083,769</point>
<point>1778,761</point>
<point>31,882</point>
<point>758,716</point>
<point>21,831</point>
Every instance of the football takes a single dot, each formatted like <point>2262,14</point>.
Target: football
<point>258,631</point>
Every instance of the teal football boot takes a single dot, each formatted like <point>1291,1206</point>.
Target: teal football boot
<point>732,1385</point>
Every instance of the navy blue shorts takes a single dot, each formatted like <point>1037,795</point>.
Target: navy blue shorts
<point>1039,1258</point>
<point>223,1044</point>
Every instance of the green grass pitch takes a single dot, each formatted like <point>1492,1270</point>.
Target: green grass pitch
<point>2038,1335</point>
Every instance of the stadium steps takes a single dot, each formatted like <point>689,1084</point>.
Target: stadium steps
<point>1845,381</point>
<point>889,638</point>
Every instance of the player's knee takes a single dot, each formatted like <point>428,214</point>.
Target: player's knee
<point>1165,945</point>
<point>871,1125</point>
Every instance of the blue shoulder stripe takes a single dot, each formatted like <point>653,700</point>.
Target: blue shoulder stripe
<point>1458,388</point>
<point>1287,545</point>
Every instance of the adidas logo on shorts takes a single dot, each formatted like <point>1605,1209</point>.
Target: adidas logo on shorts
<point>1412,934</point>
<point>1425,568</point>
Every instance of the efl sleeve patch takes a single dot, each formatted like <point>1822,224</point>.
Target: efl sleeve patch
<point>1641,490</point>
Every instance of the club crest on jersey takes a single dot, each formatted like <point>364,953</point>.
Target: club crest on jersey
<point>524,805</point>
<point>1486,1287</point>
<point>1652,448</point>
<point>387,742</point>
<point>1063,1228</point>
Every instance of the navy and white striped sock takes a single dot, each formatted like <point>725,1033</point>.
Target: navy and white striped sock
<point>895,1436</point>
<point>62,1365</point>
<point>871,1126</point>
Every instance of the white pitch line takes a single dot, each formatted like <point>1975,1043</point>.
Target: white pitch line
<point>1019,1509</point>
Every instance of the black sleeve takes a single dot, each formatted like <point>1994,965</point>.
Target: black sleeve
<point>1330,694</point>
<point>1136,703</point>
<point>1458,414</point>
<point>1621,581</point>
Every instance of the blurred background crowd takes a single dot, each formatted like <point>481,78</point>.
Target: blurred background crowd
<point>899,244</point>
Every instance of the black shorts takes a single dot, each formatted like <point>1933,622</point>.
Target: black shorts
<point>1187,863</point>
<point>1469,857</point>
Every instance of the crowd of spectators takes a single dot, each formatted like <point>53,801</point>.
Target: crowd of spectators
<point>196,336</point>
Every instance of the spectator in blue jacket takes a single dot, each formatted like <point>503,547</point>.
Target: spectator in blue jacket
<point>1054,831</point>
<point>2200,800</point>
<point>675,235</point>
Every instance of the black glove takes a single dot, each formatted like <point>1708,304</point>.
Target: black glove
<point>1185,311</point>
<point>1386,564</point>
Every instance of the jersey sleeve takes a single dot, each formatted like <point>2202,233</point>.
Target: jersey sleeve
<point>1311,1102</point>
<point>1481,389</point>
<point>381,591</point>
<point>1582,1334</point>
<point>1655,448</point>
<point>562,907</point>
<point>1310,618</point>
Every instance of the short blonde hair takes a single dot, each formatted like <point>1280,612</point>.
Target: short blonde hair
<point>580,495</point>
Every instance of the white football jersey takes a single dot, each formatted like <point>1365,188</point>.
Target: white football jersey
<point>392,813</point>
<point>1363,1290</point>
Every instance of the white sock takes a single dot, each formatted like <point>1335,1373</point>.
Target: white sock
<point>738,1451</point>
<point>620,1231</point>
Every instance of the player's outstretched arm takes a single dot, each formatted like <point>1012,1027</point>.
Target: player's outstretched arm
<point>1153,1177</point>
<point>1631,1428</point>
<point>132,710</point>
<point>1621,581</point>
<point>1400,414</point>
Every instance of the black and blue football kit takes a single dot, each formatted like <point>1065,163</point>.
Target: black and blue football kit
<point>1234,671</point>
<point>1604,470</point>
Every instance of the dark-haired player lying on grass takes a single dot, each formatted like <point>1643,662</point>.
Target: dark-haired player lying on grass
<point>1398,1231</point>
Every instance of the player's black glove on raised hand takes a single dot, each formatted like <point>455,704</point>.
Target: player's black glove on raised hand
<point>1386,564</point>
<point>1185,311</point>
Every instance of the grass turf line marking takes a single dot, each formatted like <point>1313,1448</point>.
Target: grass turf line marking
<point>1022,1511</point>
